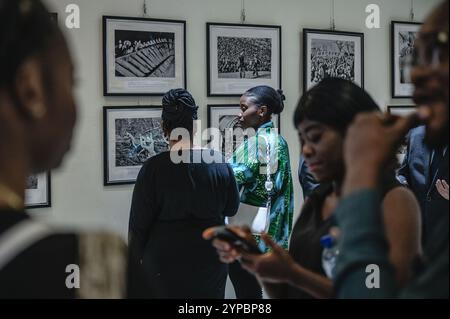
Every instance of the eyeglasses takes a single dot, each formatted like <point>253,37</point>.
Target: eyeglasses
<point>430,51</point>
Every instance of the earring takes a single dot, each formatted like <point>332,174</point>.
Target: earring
<point>38,111</point>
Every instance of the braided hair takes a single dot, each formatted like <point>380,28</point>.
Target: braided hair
<point>179,110</point>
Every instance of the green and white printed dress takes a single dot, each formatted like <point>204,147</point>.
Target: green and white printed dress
<point>250,173</point>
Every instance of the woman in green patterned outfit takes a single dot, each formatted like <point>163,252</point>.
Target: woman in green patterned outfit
<point>249,165</point>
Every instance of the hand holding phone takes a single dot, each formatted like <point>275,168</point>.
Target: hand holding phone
<point>232,238</point>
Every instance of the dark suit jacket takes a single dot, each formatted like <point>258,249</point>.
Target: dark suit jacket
<point>307,181</point>
<point>415,172</point>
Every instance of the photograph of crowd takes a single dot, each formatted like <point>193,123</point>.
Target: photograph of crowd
<point>144,54</point>
<point>138,139</point>
<point>241,57</point>
<point>332,54</point>
<point>332,58</point>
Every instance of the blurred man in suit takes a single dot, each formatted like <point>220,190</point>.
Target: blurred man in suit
<point>425,166</point>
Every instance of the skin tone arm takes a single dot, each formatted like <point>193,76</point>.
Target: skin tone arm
<point>402,223</point>
<point>273,268</point>
<point>442,188</point>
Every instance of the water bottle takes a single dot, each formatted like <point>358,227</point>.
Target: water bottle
<point>329,255</point>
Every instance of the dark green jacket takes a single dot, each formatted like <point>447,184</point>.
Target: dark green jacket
<point>363,243</point>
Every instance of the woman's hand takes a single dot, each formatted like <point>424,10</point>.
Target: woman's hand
<point>276,266</point>
<point>442,188</point>
<point>227,253</point>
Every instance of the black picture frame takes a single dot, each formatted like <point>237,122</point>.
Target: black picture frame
<point>234,109</point>
<point>32,196</point>
<point>400,90</point>
<point>242,84</point>
<point>401,110</point>
<point>144,61</point>
<point>333,35</point>
<point>126,174</point>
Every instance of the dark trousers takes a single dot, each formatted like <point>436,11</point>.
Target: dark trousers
<point>245,284</point>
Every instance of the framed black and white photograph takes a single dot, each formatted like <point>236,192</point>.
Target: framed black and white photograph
<point>403,37</point>
<point>332,54</point>
<point>38,191</point>
<point>225,117</point>
<point>132,134</point>
<point>402,110</point>
<point>143,57</point>
<point>241,57</point>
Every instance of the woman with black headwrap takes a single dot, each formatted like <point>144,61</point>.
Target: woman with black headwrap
<point>174,202</point>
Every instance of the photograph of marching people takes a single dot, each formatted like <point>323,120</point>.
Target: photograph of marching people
<point>225,117</point>
<point>328,54</point>
<point>143,56</point>
<point>38,191</point>
<point>403,37</point>
<point>131,136</point>
<point>241,57</point>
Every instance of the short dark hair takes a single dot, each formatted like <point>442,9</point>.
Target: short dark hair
<point>26,29</point>
<point>179,110</point>
<point>334,102</point>
<point>265,95</point>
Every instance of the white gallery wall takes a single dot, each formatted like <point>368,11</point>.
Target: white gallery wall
<point>78,195</point>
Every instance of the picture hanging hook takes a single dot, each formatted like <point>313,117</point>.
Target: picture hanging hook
<point>332,20</point>
<point>145,8</point>
<point>411,14</point>
<point>243,14</point>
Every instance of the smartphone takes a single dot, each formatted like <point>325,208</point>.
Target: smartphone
<point>229,236</point>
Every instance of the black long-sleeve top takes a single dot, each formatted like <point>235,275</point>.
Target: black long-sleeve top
<point>172,205</point>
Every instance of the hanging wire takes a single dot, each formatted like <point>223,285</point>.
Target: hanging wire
<point>145,8</point>
<point>332,21</point>
<point>243,13</point>
<point>411,14</point>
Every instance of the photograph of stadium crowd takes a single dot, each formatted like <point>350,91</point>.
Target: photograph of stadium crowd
<point>244,57</point>
<point>332,54</point>
<point>241,57</point>
<point>332,59</point>
<point>145,54</point>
